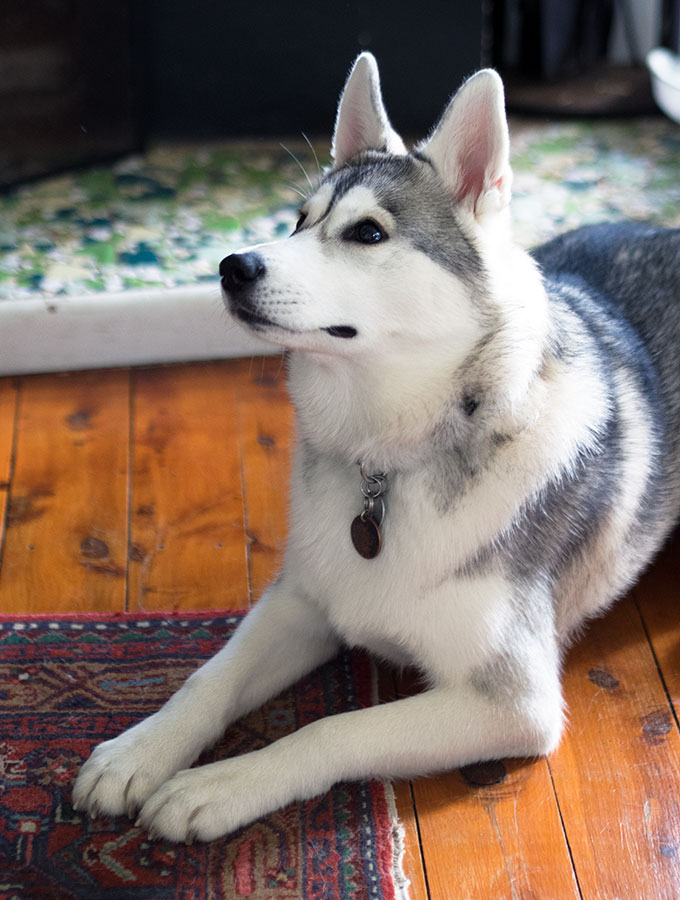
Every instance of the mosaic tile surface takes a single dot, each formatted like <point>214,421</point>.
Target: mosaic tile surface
<point>167,218</point>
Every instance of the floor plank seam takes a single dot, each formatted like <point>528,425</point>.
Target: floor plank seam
<point>244,488</point>
<point>564,830</point>
<point>420,842</point>
<point>396,695</point>
<point>130,483</point>
<point>659,670</point>
<point>18,385</point>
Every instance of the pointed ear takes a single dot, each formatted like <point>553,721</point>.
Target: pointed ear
<point>362,122</point>
<point>470,147</point>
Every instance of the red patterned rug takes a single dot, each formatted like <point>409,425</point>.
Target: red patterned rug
<point>68,683</point>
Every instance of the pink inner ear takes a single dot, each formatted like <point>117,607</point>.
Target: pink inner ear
<point>356,131</point>
<point>363,129</point>
<point>478,162</point>
<point>472,174</point>
<point>351,139</point>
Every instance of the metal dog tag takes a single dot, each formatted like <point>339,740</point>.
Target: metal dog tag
<point>365,530</point>
<point>366,536</point>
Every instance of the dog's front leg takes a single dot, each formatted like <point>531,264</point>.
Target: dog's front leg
<point>438,730</point>
<point>280,640</point>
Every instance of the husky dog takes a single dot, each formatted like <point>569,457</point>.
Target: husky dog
<point>487,456</point>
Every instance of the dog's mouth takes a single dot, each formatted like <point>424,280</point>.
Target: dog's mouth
<point>260,322</point>
<point>341,331</point>
<point>254,319</point>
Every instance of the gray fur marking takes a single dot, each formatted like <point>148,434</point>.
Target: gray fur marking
<point>502,679</point>
<point>411,191</point>
<point>308,462</point>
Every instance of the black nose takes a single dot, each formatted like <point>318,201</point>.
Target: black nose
<point>241,269</point>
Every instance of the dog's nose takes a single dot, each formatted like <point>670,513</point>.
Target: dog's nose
<point>241,269</point>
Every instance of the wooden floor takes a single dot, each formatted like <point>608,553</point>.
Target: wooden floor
<point>165,489</point>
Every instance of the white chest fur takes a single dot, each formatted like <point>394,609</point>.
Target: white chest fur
<point>408,604</point>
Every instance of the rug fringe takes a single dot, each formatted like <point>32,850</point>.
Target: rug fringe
<point>401,882</point>
<point>122,615</point>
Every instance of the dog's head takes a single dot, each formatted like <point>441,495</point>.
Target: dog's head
<point>389,249</point>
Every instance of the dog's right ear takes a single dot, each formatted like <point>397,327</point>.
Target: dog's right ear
<point>362,122</point>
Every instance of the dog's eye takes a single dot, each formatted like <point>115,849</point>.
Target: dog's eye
<point>300,222</point>
<point>367,232</point>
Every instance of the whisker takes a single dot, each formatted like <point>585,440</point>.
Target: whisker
<point>316,158</point>
<point>282,360</point>
<point>304,171</point>
<point>297,190</point>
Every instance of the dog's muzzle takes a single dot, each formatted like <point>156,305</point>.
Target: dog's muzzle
<point>239,272</point>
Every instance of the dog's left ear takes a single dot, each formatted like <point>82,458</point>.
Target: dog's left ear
<point>362,122</point>
<point>470,147</point>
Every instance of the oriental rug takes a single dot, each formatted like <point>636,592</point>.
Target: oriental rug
<point>69,682</point>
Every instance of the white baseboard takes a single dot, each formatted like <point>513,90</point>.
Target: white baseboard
<point>130,328</point>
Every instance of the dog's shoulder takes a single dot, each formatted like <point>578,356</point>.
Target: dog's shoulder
<point>633,267</point>
<point>623,280</point>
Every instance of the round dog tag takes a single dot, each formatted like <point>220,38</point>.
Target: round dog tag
<point>366,537</point>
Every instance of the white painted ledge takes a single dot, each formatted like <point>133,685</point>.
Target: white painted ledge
<point>129,328</point>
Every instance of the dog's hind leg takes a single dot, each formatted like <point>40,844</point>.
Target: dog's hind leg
<point>280,640</point>
<point>441,729</point>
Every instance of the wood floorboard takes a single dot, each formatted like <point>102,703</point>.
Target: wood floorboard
<point>265,423</point>
<point>66,527</point>
<point>187,538</point>
<point>494,838</point>
<point>493,829</point>
<point>616,770</point>
<point>657,598</point>
<point>167,487</point>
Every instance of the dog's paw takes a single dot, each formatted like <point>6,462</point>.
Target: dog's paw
<point>207,802</point>
<point>122,773</point>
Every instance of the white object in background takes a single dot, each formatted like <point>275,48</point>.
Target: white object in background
<point>664,67</point>
<point>133,327</point>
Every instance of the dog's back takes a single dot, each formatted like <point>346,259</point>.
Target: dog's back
<point>623,283</point>
<point>634,270</point>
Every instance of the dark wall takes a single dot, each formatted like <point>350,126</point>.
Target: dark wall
<point>69,84</point>
<point>84,80</point>
<point>233,67</point>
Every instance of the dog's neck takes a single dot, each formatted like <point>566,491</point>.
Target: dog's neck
<point>360,409</point>
<point>386,410</point>
<point>392,414</point>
